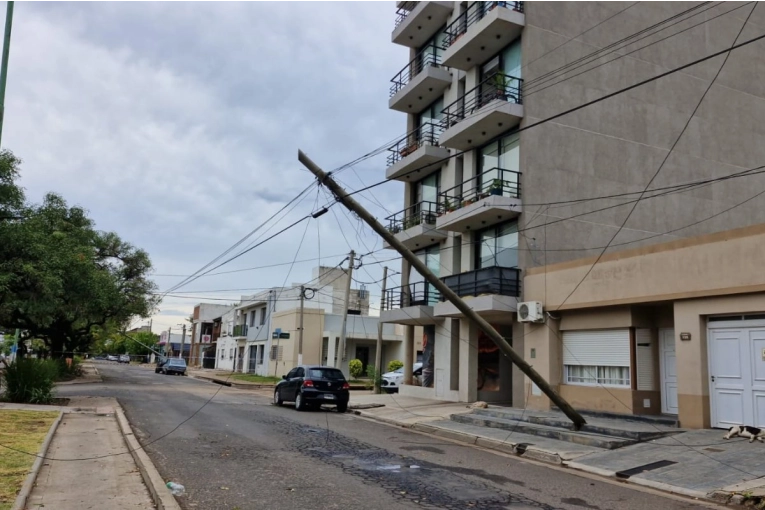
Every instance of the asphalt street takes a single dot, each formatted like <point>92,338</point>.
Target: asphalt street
<point>241,452</point>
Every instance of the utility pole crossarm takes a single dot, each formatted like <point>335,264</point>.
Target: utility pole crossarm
<point>351,204</point>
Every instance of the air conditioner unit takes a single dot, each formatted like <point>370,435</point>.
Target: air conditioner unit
<point>530,311</point>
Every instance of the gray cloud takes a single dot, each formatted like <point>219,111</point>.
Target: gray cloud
<point>177,125</point>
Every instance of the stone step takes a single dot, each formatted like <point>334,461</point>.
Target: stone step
<point>662,419</point>
<point>626,429</point>
<point>583,438</point>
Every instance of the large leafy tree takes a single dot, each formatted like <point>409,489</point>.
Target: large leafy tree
<point>60,278</point>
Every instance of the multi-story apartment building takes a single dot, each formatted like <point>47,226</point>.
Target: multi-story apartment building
<point>671,319</point>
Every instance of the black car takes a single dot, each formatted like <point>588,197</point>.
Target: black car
<point>172,366</point>
<point>313,386</point>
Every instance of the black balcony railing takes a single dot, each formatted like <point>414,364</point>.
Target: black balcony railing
<point>240,330</point>
<point>505,281</point>
<point>427,134</point>
<point>495,181</point>
<point>474,13</point>
<point>420,213</point>
<point>414,294</point>
<point>428,57</point>
<point>498,86</point>
<point>403,11</point>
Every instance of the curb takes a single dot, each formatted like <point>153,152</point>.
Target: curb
<point>540,455</point>
<point>664,487</point>
<point>29,483</point>
<point>154,482</point>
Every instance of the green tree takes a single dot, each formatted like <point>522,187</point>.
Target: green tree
<point>60,278</point>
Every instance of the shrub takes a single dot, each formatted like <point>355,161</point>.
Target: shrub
<point>374,377</point>
<point>68,371</point>
<point>30,381</point>
<point>394,365</point>
<point>355,367</point>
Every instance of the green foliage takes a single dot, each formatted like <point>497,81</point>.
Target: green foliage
<point>374,377</point>
<point>60,278</point>
<point>31,381</point>
<point>394,365</point>
<point>355,367</point>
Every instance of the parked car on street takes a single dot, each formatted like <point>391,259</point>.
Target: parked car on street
<point>124,358</point>
<point>172,366</point>
<point>112,357</point>
<point>392,380</point>
<point>312,386</point>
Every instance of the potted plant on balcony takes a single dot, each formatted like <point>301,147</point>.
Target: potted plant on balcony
<point>496,187</point>
<point>408,149</point>
<point>501,83</point>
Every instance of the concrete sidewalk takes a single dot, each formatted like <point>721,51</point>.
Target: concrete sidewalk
<point>698,463</point>
<point>88,463</point>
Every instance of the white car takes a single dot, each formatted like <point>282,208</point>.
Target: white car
<point>392,380</point>
<point>112,357</point>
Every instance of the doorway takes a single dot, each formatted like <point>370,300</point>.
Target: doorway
<point>737,373</point>
<point>362,354</point>
<point>668,368</point>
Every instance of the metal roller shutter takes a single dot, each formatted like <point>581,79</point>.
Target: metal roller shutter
<point>604,348</point>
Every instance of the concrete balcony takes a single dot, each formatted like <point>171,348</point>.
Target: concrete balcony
<point>416,22</point>
<point>493,292</point>
<point>415,226</point>
<point>416,155</point>
<point>419,83</point>
<point>411,305</point>
<point>490,109</point>
<point>481,32</point>
<point>492,197</point>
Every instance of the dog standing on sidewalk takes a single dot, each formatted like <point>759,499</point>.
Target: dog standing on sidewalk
<point>745,431</point>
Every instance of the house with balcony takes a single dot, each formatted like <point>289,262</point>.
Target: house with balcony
<point>203,322</point>
<point>508,210</point>
<point>253,332</point>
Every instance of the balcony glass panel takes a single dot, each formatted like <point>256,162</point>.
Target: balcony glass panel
<point>504,281</point>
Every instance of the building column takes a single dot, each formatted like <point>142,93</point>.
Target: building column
<point>408,354</point>
<point>543,350</point>
<point>331,350</point>
<point>694,410</point>
<point>468,383</point>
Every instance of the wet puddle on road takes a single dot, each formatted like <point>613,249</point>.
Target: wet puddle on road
<point>408,479</point>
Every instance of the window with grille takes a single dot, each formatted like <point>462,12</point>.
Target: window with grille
<point>276,353</point>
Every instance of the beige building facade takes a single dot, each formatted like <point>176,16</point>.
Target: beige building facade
<point>504,217</point>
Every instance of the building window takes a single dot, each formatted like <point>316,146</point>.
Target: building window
<point>222,354</point>
<point>261,353</point>
<point>598,375</point>
<point>231,353</point>
<point>262,316</point>
<point>421,292</point>
<point>252,317</point>
<point>597,357</point>
<point>497,246</point>
<point>276,353</point>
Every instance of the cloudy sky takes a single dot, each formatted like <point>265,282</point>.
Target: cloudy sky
<point>177,126</point>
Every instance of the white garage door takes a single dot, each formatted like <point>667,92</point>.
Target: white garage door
<point>737,373</point>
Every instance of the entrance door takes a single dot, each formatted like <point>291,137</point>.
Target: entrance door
<point>240,361</point>
<point>737,373</point>
<point>362,354</point>
<point>668,371</point>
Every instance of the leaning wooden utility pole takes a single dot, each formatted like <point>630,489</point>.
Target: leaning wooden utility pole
<point>378,349</point>
<point>344,198</point>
